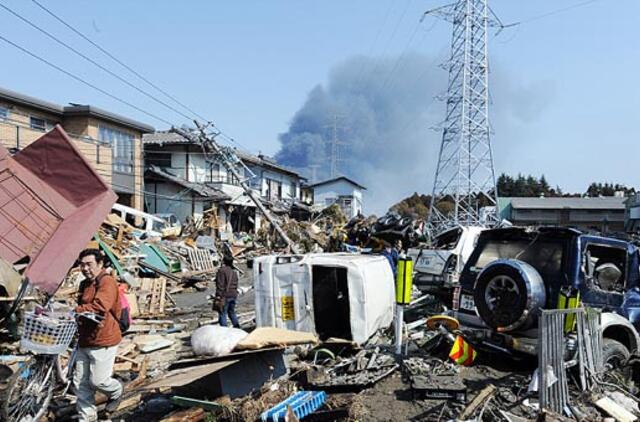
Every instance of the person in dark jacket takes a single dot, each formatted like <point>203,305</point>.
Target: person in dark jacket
<point>227,291</point>
<point>388,253</point>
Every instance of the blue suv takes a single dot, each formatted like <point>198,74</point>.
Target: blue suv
<point>515,272</point>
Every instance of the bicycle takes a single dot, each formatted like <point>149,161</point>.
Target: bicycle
<point>47,335</point>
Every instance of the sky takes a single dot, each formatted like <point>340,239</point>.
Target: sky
<point>565,96</point>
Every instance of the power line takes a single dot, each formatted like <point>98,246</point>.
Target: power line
<point>90,60</point>
<point>393,34</point>
<point>79,79</point>
<point>120,62</point>
<point>375,41</point>
<point>554,12</point>
<point>400,57</point>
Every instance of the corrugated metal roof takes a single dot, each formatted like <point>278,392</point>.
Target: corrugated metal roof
<point>610,203</point>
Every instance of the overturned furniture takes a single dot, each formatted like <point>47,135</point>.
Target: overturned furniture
<point>333,295</point>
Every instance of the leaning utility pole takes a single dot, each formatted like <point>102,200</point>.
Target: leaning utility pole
<point>228,158</point>
<point>465,176</point>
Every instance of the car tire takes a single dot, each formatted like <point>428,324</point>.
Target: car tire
<point>508,295</point>
<point>615,355</point>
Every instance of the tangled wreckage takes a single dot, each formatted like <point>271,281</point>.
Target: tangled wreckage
<point>510,324</point>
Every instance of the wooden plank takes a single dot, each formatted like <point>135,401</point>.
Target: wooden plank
<point>194,414</point>
<point>132,298</point>
<point>155,345</point>
<point>130,402</point>
<point>479,400</point>
<point>122,367</point>
<point>616,411</point>
<point>126,348</point>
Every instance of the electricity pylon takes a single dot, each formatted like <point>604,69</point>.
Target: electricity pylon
<point>465,176</point>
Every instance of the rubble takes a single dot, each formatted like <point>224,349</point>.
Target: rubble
<point>318,322</point>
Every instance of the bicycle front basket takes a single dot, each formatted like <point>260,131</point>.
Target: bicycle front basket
<point>47,335</point>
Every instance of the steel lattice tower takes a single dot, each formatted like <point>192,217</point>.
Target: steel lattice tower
<point>465,174</point>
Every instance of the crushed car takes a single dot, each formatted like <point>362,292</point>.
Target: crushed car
<point>437,267</point>
<point>513,273</point>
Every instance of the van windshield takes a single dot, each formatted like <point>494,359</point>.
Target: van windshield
<point>158,226</point>
<point>545,255</point>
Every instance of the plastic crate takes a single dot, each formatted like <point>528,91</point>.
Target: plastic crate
<point>47,335</point>
<point>303,403</point>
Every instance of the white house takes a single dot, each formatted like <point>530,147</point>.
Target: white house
<point>340,190</point>
<point>177,170</point>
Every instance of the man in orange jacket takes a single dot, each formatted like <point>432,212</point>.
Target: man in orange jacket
<point>98,342</point>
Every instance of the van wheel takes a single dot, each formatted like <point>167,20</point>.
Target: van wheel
<point>614,354</point>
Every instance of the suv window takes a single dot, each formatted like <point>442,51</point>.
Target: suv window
<point>545,255</point>
<point>607,266</point>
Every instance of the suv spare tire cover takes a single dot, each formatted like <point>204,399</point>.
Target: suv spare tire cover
<point>509,294</point>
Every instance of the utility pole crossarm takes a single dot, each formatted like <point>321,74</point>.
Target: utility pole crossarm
<point>228,159</point>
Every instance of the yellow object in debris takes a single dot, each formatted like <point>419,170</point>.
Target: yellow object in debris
<point>404,281</point>
<point>288,312</point>
<point>450,323</point>
<point>569,298</point>
<point>462,353</point>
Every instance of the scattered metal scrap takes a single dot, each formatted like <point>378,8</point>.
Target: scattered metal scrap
<point>364,369</point>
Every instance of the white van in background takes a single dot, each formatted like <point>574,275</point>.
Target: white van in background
<point>147,223</point>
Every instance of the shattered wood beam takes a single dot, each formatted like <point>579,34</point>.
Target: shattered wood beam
<point>479,400</point>
<point>210,146</point>
<point>195,414</point>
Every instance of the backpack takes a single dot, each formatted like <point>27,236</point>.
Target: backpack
<point>125,312</point>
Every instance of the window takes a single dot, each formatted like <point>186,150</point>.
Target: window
<point>41,124</point>
<point>292,190</point>
<point>4,113</point>
<point>157,158</point>
<point>123,147</point>
<point>233,180</point>
<point>274,190</point>
<point>214,173</point>
<point>606,266</point>
<point>542,253</point>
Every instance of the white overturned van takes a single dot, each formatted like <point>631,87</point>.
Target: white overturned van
<point>340,295</point>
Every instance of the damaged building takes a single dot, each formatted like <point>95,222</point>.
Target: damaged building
<point>179,180</point>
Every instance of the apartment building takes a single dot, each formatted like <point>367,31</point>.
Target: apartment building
<point>110,142</point>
